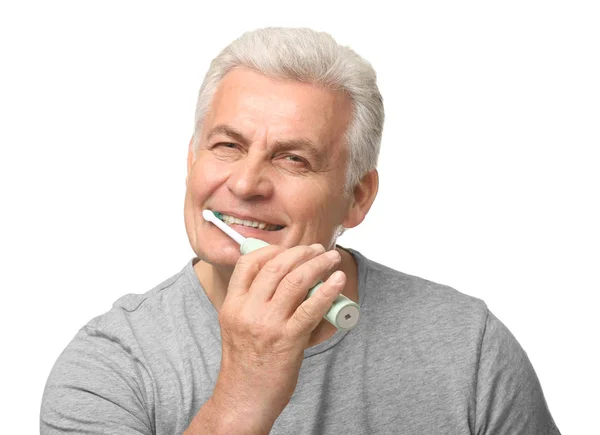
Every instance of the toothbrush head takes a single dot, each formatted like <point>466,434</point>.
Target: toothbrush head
<point>216,218</point>
<point>208,215</point>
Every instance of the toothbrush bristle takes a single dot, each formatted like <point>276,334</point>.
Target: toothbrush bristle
<point>210,216</point>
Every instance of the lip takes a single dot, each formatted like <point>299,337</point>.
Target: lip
<point>249,218</point>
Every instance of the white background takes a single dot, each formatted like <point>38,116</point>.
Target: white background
<point>489,165</point>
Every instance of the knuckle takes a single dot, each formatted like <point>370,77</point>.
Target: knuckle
<point>243,268</point>
<point>294,281</point>
<point>325,294</point>
<point>245,263</point>
<point>303,314</point>
<point>272,266</point>
<point>277,249</point>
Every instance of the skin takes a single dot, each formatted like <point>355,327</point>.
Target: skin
<point>260,167</point>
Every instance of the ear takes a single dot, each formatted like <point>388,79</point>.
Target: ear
<point>190,158</point>
<point>362,199</point>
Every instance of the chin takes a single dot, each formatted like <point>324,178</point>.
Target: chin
<point>226,256</point>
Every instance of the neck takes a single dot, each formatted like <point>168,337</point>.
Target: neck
<point>215,281</point>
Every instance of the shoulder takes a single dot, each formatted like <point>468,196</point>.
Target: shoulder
<point>150,310</point>
<point>390,289</point>
<point>103,374</point>
<point>509,397</point>
<point>109,368</point>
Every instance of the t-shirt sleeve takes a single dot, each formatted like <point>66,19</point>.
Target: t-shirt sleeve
<point>509,396</point>
<point>95,387</point>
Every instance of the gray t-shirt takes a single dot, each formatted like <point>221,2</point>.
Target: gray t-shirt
<point>423,359</point>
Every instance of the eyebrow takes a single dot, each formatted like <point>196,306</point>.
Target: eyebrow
<point>284,145</point>
<point>228,131</point>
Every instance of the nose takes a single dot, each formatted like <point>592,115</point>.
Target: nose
<point>249,178</point>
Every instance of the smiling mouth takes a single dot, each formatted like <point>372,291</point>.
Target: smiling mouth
<point>231,220</point>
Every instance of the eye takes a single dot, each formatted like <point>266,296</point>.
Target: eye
<point>295,159</point>
<point>226,151</point>
<point>293,163</point>
<point>229,145</point>
<point>225,148</point>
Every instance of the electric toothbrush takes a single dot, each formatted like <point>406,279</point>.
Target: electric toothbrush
<point>344,312</point>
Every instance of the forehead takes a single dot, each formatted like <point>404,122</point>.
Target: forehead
<point>282,109</point>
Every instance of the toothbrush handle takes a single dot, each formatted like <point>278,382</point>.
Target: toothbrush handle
<point>344,312</point>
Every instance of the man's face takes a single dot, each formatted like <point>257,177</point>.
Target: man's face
<point>270,151</point>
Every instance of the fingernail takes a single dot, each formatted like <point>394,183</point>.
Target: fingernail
<point>317,246</point>
<point>337,277</point>
<point>333,255</point>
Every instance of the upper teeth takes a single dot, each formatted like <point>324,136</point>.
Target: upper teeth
<point>255,224</point>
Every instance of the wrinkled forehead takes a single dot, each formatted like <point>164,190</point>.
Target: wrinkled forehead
<point>284,109</point>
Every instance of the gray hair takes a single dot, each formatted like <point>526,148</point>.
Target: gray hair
<point>312,57</point>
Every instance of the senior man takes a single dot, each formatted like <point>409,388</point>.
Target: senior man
<point>286,140</point>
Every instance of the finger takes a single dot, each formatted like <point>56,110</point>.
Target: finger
<point>310,312</point>
<point>248,266</point>
<point>293,288</point>
<point>275,270</point>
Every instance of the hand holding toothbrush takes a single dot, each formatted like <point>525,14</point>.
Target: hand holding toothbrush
<point>266,324</point>
<point>343,312</point>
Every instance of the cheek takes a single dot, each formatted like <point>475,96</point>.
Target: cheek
<point>206,176</point>
<point>315,205</point>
